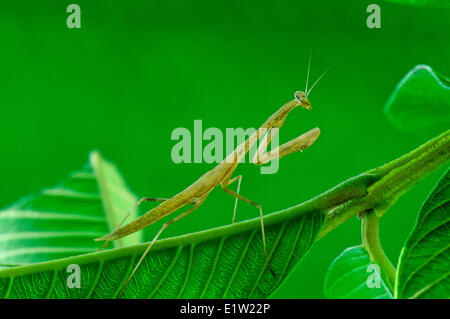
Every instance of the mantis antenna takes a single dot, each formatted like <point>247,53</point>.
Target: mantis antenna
<point>309,68</point>
<point>320,77</point>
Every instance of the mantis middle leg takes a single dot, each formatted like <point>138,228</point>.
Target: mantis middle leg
<point>225,185</point>
<point>239,179</point>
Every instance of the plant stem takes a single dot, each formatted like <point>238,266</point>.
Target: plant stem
<point>371,242</point>
<point>391,181</point>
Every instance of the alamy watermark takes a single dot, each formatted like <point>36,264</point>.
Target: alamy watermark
<point>74,279</point>
<point>211,145</point>
<point>373,280</point>
<point>374,19</point>
<point>73,20</point>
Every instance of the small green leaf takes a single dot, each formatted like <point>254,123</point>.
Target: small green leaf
<point>420,100</point>
<point>224,262</point>
<point>352,275</point>
<point>424,3</point>
<point>63,221</point>
<point>423,270</point>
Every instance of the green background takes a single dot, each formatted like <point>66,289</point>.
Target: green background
<point>136,70</point>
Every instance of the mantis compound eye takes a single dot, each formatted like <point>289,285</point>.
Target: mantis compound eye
<point>299,95</point>
<point>303,100</point>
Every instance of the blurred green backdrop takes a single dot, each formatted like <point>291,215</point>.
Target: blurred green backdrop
<point>138,69</point>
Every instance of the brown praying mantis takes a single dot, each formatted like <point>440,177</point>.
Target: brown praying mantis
<point>196,193</point>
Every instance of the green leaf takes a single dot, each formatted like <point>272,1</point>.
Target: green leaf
<point>424,3</point>
<point>420,100</point>
<point>352,275</point>
<point>423,270</point>
<point>63,221</point>
<point>223,262</point>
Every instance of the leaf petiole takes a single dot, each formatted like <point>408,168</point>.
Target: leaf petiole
<point>371,242</point>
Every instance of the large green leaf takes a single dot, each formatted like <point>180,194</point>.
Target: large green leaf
<point>222,262</point>
<point>420,100</point>
<point>423,270</point>
<point>424,3</point>
<point>63,221</point>
<point>352,275</point>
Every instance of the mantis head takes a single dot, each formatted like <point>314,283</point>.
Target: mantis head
<point>302,99</point>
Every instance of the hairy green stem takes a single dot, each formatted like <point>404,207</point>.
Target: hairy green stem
<point>390,181</point>
<point>371,242</point>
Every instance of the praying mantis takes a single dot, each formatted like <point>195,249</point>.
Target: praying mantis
<point>196,193</point>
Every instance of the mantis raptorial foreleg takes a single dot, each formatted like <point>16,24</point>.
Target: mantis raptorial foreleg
<point>298,144</point>
<point>198,202</point>
<point>143,199</point>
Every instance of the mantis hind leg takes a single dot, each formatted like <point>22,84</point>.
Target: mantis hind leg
<point>238,196</point>
<point>197,203</point>
<point>144,199</point>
